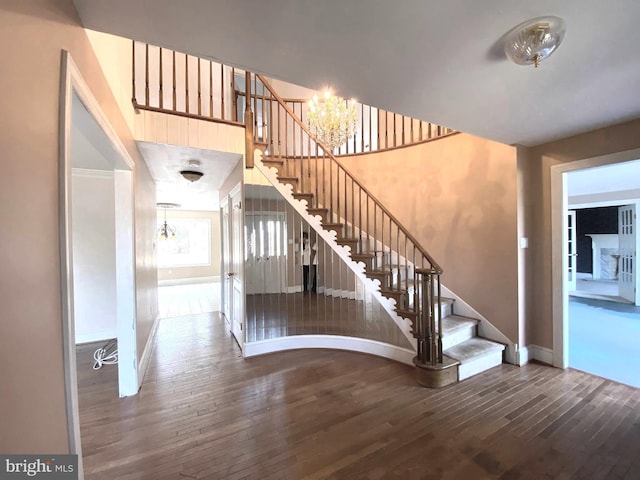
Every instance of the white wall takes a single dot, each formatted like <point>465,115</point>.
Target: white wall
<point>94,261</point>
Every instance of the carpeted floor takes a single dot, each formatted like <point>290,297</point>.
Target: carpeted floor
<point>604,339</point>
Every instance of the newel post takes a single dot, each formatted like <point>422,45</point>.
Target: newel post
<point>248,123</point>
<point>432,370</point>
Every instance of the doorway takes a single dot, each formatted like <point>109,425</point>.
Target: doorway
<point>88,141</point>
<point>603,191</point>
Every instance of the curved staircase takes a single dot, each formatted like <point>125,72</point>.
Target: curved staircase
<point>448,350</point>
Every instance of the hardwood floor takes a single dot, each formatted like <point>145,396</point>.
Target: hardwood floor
<point>188,299</point>
<point>278,315</point>
<point>204,412</point>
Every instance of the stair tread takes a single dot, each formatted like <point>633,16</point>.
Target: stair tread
<point>392,291</point>
<point>451,323</point>
<point>382,275</point>
<point>332,224</point>
<point>379,272</point>
<point>473,348</point>
<point>281,178</point>
<point>347,239</point>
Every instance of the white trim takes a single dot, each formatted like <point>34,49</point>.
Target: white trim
<point>189,281</point>
<point>338,293</point>
<point>541,354</point>
<point>95,337</point>
<point>145,358</point>
<point>335,342</point>
<point>522,356</point>
<point>559,205</point>
<point>126,283</point>
<point>71,81</point>
<point>68,77</point>
<point>534,352</point>
<point>89,173</point>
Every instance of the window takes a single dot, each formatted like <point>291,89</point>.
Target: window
<point>191,246</point>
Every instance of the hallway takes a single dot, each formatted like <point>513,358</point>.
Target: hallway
<point>206,413</point>
<point>189,298</point>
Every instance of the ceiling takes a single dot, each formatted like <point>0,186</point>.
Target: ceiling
<point>440,61</point>
<point>166,161</point>
<point>610,178</point>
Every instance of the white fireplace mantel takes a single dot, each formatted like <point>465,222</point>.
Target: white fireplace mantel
<point>598,242</point>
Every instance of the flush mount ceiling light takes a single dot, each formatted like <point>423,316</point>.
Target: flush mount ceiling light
<point>534,40</point>
<point>192,175</point>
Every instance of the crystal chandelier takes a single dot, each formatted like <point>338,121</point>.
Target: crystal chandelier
<point>166,231</point>
<point>332,120</point>
<point>531,42</point>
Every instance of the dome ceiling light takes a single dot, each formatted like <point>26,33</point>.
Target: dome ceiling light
<point>192,175</point>
<point>534,40</point>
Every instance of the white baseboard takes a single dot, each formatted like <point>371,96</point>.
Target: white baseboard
<point>187,281</point>
<point>337,342</point>
<point>334,292</point>
<point>95,337</point>
<point>146,354</point>
<point>534,352</point>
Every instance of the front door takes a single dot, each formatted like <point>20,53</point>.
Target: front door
<point>266,242</point>
<point>627,251</point>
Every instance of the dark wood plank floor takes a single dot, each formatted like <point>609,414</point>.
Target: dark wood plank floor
<point>204,412</point>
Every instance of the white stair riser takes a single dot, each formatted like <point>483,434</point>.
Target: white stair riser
<point>458,336</point>
<point>479,364</point>
<point>447,309</point>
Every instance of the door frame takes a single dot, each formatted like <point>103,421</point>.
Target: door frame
<point>72,83</point>
<point>225,245</point>
<point>559,253</point>
<point>236,233</point>
<point>572,246</point>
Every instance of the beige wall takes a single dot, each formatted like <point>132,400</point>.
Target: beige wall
<point>32,35</point>
<point>539,161</point>
<point>457,196</point>
<point>211,270</point>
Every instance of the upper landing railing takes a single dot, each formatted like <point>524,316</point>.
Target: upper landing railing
<point>180,84</point>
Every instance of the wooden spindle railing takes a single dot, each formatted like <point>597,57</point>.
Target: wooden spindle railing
<point>378,129</point>
<point>390,252</point>
<point>184,85</point>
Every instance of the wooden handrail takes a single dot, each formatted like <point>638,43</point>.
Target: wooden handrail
<point>402,135</point>
<point>300,124</point>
